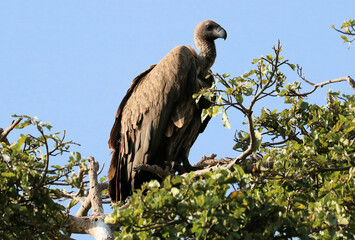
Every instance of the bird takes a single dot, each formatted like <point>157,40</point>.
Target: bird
<point>158,120</point>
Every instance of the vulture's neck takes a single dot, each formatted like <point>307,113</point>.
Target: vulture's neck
<point>207,54</point>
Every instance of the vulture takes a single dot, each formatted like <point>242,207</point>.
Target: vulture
<point>158,120</point>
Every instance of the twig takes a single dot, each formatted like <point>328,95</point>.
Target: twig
<point>315,86</point>
<point>103,165</point>
<point>44,176</point>
<point>67,195</point>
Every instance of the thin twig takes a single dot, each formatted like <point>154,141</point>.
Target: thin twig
<point>315,86</point>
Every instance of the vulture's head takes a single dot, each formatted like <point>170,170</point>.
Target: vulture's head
<point>208,31</point>
<point>205,34</point>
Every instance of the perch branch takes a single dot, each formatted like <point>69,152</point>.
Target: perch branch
<point>153,169</point>
<point>209,161</point>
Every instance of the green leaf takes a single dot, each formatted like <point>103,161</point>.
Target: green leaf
<point>175,191</point>
<point>345,38</point>
<point>225,120</point>
<point>292,66</point>
<point>176,180</point>
<point>17,147</point>
<point>239,170</point>
<point>239,98</point>
<point>255,60</point>
<point>303,105</point>
<point>8,174</point>
<point>72,203</point>
<point>258,136</point>
<point>216,111</point>
<point>204,114</point>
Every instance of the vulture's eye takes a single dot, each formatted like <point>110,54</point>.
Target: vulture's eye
<point>209,26</point>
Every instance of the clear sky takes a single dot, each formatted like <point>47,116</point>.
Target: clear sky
<point>71,62</point>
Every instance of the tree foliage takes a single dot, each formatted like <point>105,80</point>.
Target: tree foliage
<point>293,178</point>
<point>27,183</point>
<point>347,29</point>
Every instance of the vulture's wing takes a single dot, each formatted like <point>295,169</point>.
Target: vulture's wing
<point>115,131</point>
<point>143,117</point>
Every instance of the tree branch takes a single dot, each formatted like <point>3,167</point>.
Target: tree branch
<point>315,86</point>
<point>153,169</point>
<point>94,193</point>
<point>3,134</point>
<point>95,224</point>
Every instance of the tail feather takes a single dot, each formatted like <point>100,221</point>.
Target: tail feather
<point>118,186</point>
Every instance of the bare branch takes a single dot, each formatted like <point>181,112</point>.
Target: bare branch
<point>3,135</point>
<point>94,193</point>
<point>102,186</point>
<point>84,208</point>
<point>210,161</point>
<point>67,195</point>
<point>153,169</point>
<point>315,86</point>
<point>93,225</point>
<point>5,140</point>
<point>86,202</point>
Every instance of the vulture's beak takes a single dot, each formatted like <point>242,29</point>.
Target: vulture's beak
<point>221,33</point>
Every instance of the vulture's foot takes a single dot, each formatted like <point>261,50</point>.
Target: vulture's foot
<point>186,167</point>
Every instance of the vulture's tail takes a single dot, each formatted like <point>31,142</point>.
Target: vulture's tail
<point>118,187</point>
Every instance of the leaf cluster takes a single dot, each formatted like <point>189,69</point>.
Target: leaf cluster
<point>347,29</point>
<point>27,206</point>
<point>186,208</point>
<point>314,167</point>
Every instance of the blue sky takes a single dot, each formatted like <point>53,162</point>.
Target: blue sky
<point>71,62</point>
